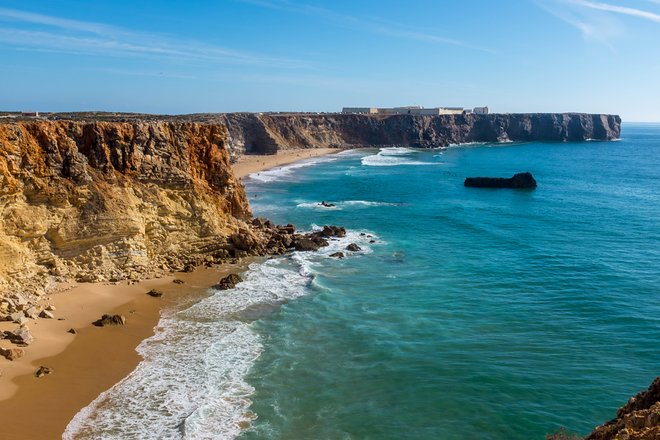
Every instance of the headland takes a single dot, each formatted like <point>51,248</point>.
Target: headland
<point>116,199</point>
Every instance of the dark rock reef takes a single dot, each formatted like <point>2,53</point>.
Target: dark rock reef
<point>518,181</point>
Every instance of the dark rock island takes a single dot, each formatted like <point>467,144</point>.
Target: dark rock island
<point>518,181</point>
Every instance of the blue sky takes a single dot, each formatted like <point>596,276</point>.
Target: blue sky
<point>285,55</point>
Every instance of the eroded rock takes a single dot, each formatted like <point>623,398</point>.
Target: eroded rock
<point>12,353</point>
<point>110,320</point>
<point>228,282</point>
<point>43,371</point>
<point>518,181</point>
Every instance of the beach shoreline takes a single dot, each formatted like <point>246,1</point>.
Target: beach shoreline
<point>251,164</point>
<point>93,359</point>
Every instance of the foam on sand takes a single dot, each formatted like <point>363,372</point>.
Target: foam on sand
<point>283,172</point>
<point>191,383</point>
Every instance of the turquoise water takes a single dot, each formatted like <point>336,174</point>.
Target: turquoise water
<point>468,313</point>
<point>476,314</point>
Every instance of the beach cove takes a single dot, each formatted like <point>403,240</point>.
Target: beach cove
<point>93,359</point>
<point>391,337</point>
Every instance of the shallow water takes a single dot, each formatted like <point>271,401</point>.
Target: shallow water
<point>490,314</point>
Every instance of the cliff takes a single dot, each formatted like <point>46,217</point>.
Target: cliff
<point>639,419</point>
<point>95,201</point>
<point>266,133</point>
<point>140,195</point>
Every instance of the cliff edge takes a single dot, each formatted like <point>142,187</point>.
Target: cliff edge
<point>102,201</point>
<point>639,419</point>
<point>137,195</point>
<point>266,133</point>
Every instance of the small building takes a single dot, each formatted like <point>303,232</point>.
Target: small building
<point>481,110</point>
<point>30,114</point>
<point>360,110</point>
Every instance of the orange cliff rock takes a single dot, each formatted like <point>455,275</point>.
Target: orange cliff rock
<point>99,201</point>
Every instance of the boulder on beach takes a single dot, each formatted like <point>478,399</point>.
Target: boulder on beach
<point>20,336</point>
<point>12,353</point>
<point>228,282</point>
<point>43,371</point>
<point>46,314</point>
<point>518,181</point>
<point>155,293</point>
<point>110,320</point>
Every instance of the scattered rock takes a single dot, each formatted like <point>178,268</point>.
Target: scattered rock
<point>31,312</point>
<point>333,231</point>
<point>353,247</point>
<point>19,300</point>
<point>189,268</point>
<point>12,353</point>
<point>43,371</point>
<point>72,331</point>
<point>518,181</point>
<point>110,320</point>
<point>46,314</point>
<point>155,293</point>
<point>20,336</point>
<point>178,281</point>
<point>337,255</point>
<point>50,308</point>
<point>16,316</point>
<point>306,244</point>
<point>228,282</point>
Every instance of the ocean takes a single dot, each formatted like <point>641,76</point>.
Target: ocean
<point>467,314</point>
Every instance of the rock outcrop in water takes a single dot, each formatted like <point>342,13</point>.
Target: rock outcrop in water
<point>639,419</point>
<point>518,181</point>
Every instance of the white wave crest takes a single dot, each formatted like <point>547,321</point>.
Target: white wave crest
<point>340,205</point>
<point>286,171</point>
<point>393,156</point>
<point>191,383</point>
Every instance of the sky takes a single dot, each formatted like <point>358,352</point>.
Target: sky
<point>175,56</point>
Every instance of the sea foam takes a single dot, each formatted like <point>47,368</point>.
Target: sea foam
<point>191,383</point>
<point>286,171</point>
<point>393,156</point>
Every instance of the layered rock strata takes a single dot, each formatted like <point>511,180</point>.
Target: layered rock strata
<point>99,201</point>
<point>252,133</point>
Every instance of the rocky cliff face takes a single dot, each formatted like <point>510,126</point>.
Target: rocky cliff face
<point>96,201</point>
<point>639,419</point>
<point>266,133</point>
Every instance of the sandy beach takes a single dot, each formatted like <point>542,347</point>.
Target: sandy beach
<point>249,164</point>
<point>93,359</point>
